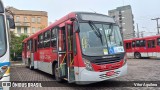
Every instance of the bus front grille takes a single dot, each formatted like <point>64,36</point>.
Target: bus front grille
<point>107,60</point>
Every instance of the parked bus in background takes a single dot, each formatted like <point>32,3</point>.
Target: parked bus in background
<point>79,47</point>
<point>6,22</point>
<point>143,47</point>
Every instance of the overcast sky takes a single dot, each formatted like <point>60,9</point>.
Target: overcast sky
<point>143,10</point>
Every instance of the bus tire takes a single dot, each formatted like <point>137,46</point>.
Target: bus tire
<point>56,73</point>
<point>137,55</point>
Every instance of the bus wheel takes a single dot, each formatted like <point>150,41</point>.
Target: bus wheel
<point>30,66</point>
<point>56,72</point>
<point>137,55</point>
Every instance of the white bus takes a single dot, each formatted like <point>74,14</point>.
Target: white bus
<point>6,22</point>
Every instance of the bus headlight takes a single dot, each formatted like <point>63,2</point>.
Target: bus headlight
<point>3,70</point>
<point>88,65</point>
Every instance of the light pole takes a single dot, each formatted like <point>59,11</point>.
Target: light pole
<point>137,31</point>
<point>157,24</point>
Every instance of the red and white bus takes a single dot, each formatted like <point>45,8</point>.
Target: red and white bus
<point>143,47</point>
<point>79,47</point>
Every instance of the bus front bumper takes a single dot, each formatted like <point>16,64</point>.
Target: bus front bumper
<point>87,77</point>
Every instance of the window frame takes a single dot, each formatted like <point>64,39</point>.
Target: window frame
<point>133,45</point>
<point>137,44</point>
<point>30,45</point>
<point>33,20</point>
<point>54,37</point>
<point>40,41</point>
<point>46,40</point>
<point>18,30</point>
<point>128,45</point>
<point>17,18</point>
<point>25,29</point>
<point>143,43</point>
<point>38,20</point>
<point>150,42</point>
<point>25,19</point>
<point>158,41</point>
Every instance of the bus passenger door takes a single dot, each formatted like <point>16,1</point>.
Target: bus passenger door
<point>61,54</point>
<point>35,53</point>
<point>65,52</point>
<point>69,51</point>
<point>32,54</point>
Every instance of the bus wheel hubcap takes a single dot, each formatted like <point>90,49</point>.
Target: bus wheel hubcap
<point>137,55</point>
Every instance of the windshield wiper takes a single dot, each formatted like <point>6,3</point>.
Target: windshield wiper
<point>96,30</point>
<point>110,34</point>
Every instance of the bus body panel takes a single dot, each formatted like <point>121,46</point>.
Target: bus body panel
<point>45,58</point>
<point>93,77</point>
<point>150,49</point>
<point>5,59</point>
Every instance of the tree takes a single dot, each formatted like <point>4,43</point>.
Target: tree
<point>16,45</point>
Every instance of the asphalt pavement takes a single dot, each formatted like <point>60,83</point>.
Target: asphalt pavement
<point>138,70</point>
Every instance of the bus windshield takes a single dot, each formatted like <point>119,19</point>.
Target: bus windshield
<point>99,39</point>
<point>2,36</point>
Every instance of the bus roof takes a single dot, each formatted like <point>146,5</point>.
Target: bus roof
<point>63,19</point>
<point>147,37</point>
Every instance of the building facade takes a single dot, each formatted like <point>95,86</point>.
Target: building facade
<point>28,22</point>
<point>124,17</point>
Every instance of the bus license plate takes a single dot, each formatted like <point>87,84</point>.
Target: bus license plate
<point>110,73</point>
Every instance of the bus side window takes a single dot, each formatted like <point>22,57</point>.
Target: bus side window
<point>47,39</point>
<point>70,36</point>
<point>31,45</point>
<point>40,41</point>
<point>54,37</point>
<point>151,44</point>
<point>142,43</point>
<point>28,45</point>
<point>128,45</point>
<point>138,43</point>
<point>133,43</point>
<point>158,41</point>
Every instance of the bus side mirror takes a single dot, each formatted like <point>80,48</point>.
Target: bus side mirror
<point>76,27</point>
<point>11,23</point>
<point>10,19</point>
